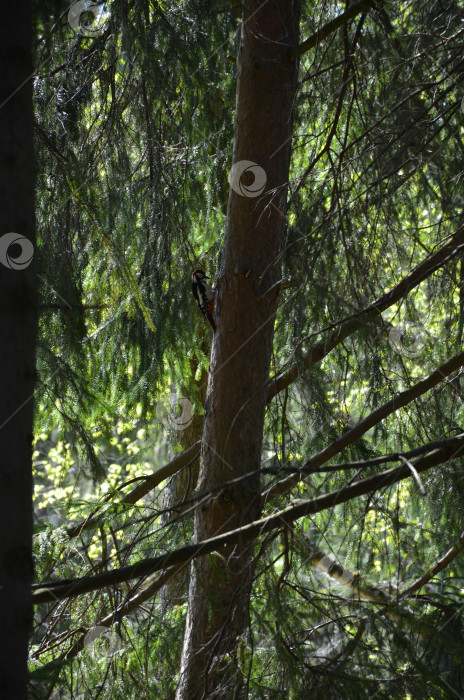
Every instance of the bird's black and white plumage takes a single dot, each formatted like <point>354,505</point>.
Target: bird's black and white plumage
<point>204,296</point>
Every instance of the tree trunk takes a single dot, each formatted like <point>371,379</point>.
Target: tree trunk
<point>242,347</point>
<point>17,345</point>
<point>181,486</point>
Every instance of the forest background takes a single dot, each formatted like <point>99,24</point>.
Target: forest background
<point>273,510</point>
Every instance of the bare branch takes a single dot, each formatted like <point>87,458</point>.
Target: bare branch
<point>43,593</point>
<point>398,401</point>
<point>434,570</point>
<point>149,483</point>
<point>318,352</point>
<point>332,26</point>
<point>353,323</point>
<point>414,473</point>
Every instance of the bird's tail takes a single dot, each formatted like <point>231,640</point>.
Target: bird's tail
<point>210,318</point>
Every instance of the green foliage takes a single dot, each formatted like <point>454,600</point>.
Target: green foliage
<point>134,135</point>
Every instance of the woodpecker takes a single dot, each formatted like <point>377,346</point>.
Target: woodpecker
<point>204,295</point>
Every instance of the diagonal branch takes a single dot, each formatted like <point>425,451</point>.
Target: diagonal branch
<point>434,570</point>
<point>365,590</point>
<point>333,129</point>
<point>346,327</point>
<point>150,482</point>
<point>399,401</point>
<point>147,590</point>
<point>43,593</point>
<point>332,26</point>
<point>353,323</point>
<point>362,589</point>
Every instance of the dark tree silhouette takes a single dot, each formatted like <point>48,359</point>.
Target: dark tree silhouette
<point>17,346</point>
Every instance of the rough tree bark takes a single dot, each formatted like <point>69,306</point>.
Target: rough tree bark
<point>242,347</point>
<point>17,345</point>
